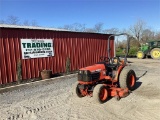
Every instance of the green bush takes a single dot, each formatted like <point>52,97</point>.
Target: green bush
<point>120,52</point>
<point>133,51</point>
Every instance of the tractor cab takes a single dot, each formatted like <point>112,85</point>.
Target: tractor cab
<point>154,44</point>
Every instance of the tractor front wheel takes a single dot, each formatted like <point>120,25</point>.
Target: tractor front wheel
<point>140,55</point>
<point>127,79</point>
<point>155,53</point>
<point>100,93</point>
<point>76,90</point>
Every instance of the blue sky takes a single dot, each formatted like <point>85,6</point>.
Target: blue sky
<point>113,13</point>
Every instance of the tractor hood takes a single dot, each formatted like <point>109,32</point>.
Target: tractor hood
<point>94,68</point>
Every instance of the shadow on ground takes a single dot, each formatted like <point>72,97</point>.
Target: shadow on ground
<point>142,75</point>
<point>138,83</point>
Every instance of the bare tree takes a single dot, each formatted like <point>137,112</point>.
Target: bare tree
<point>157,36</point>
<point>147,34</point>
<point>12,20</point>
<point>137,29</point>
<point>75,27</point>
<point>78,27</point>
<point>98,28</point>
<point>67,27</point>
<point>92,30</point>
<point>111,31</point>
<point>26,23</point>
<point>34,23</point>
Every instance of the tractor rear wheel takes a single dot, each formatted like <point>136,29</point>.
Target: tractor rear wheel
<point>127,79</point>
<point>140,55</point>
<point>155,53</point>
<point>76,90</point>
<point>100,93</point>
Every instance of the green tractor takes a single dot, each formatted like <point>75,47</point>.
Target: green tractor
<point>151,48</point>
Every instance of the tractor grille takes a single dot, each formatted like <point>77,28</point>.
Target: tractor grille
<point>95,75</point>
<point>89,77</point>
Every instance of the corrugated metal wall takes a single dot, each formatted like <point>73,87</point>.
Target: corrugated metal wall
<point>83,49</point>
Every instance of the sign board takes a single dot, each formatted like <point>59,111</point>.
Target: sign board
<point>36,48</point>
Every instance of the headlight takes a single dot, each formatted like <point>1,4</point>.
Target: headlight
<point>87,72</point>
<point>80,71</point>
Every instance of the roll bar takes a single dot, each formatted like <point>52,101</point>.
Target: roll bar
<point>128,44</point>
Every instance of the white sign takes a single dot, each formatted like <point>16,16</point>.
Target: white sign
<point>36,48</point>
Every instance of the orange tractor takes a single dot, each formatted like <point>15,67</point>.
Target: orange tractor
<point>112,77</point>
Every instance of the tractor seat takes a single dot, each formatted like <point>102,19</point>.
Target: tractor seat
<point>112,66</point>
<point>108,65</point>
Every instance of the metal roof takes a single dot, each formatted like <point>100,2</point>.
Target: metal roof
<point>41,28</point>
<point>32,27</point>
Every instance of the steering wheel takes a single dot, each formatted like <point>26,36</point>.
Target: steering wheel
<point>112,60</point>
<point>103,58</point>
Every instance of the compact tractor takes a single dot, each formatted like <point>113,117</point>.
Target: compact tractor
<point>151,48</point>
<point>112,77</point>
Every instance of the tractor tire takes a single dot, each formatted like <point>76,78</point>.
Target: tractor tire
<point>76,90</point>
<point>100,93</point>
<point>140,55</point>
<point>155,53</point>
<point>127,79</point>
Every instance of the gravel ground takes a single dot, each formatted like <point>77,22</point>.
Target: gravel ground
<point>54,100</point>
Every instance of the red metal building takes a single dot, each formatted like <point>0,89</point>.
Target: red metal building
<point>82,48</point>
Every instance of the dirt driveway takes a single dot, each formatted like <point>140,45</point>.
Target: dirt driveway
<point>54,100</point>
